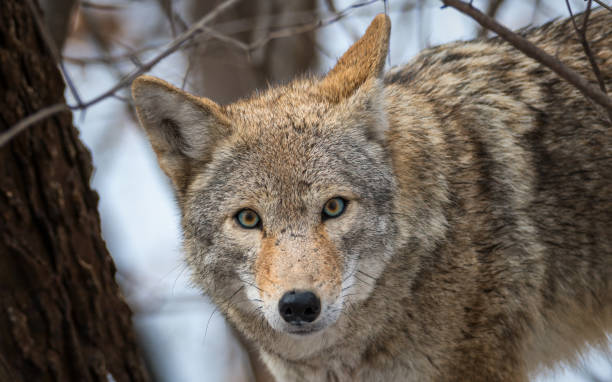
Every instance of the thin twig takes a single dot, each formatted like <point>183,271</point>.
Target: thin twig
<point>215,34</point>
<point>353,34</point>
<point>173,46</point>
<point>182,41</point>
<point>100,7</point>
<point>492,10</point>
<point>227,39</point>
<point>284,32</point>
<point>290,31</point>
<point>603,5</point>
<point>331,6</point>
<point>127,100</point>
<point>46,36</point>
<point>167,9</point>
<point>30,120</point>
<point>522,44</point>
<point>103,43</point>
<point>110,59</point>
<point>581,33</point>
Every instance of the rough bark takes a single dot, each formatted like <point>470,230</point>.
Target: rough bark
<point>62,317</point>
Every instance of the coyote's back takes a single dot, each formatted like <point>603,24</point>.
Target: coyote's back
<point>450,220</point>
<point>527,163</point>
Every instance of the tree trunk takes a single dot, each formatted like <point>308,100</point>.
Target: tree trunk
<point>62,317</point>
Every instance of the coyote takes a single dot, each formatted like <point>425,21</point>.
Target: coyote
<point>450,220</point>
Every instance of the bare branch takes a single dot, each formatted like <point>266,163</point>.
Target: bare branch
<point>604,5</point>
<point>522,44</point>
<point>303,28</point>
<point>182,41</point>
<point>492,10</point>
<point>110,59</point>
<point>172,47</point>
<point>581,33</point>
<point>225,36</point>
<point>332,7</point>
<point>30,120</point>
<point>100,7</point>
<point>46,36</point>
<point>57,16</point>
<point>166,6</point>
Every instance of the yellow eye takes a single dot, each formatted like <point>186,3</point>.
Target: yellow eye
<point>247,218</point>
<point>334,207</point>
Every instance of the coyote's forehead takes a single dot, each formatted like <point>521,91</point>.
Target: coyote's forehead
<point>288,145</point>
<point>296,105</point>
<point>291,165</point>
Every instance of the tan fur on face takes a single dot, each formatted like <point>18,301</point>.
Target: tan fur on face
<point>313,264</point>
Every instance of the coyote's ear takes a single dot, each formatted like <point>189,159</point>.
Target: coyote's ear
<point>364,60</point>
<point>183,129</point>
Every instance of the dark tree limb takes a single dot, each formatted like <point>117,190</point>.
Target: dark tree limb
<point>31,120</point>
<point>53,47</point>
<point>182,41</point>
<point>581,33</point>
<point>492,10</point>
<point>57,17</point>
<point>172,47</point>
<point>529,49</point>
<point>62,316</point>
<point>604,5</point>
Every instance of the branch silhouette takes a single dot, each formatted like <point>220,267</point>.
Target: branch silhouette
<point>529,49</point>
<point>181,41</point>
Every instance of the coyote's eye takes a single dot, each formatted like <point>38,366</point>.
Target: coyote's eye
<point>247,218</point>
<point>333,208</point>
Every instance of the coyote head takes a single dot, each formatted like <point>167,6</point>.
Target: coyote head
<point>286,197</point>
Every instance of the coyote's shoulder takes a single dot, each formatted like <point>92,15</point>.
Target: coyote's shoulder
<point>448,220</point>
<point>526,162</point>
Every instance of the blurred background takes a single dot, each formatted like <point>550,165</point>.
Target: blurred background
<point>255,44</point>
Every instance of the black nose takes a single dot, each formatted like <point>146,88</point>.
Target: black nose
<point>296,307</point>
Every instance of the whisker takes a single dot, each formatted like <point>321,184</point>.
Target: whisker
<point>358,279</point>
<point>216,309</point>
<point>250,283</point>
<point>367,275</point>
